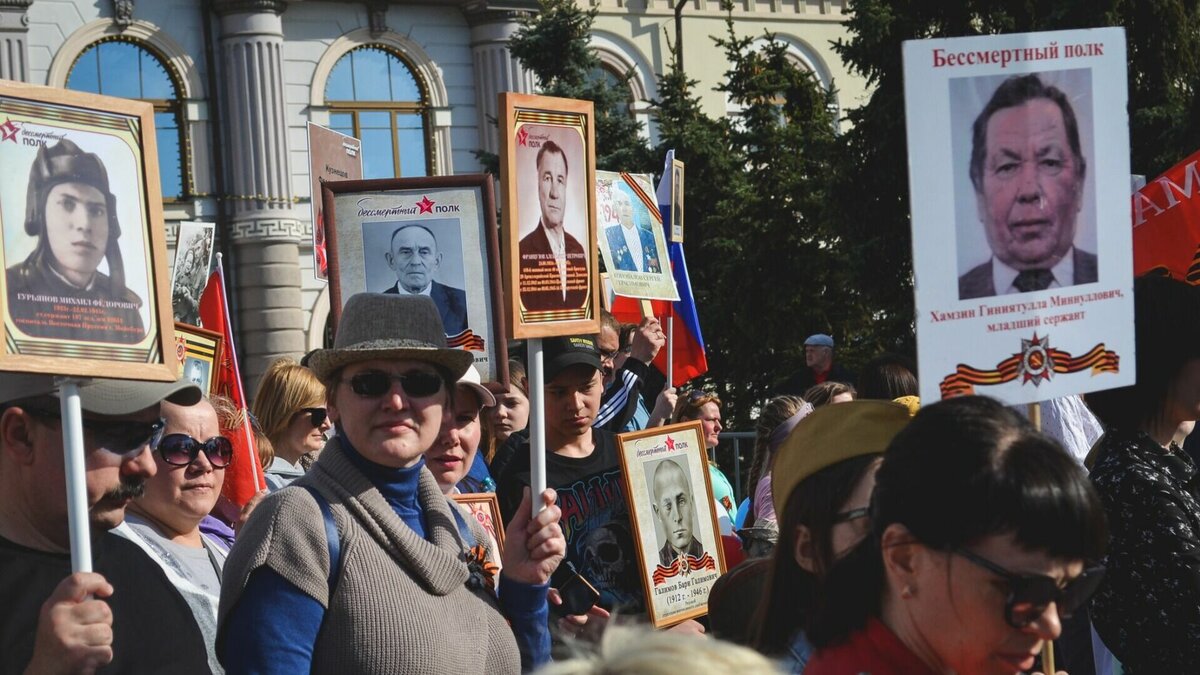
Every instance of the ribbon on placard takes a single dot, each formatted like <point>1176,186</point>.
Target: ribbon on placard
<point>1036,361</point>
<point>682,565</point>
<point>465,340</point>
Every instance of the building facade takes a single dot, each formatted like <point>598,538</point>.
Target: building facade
<point>234,83</point>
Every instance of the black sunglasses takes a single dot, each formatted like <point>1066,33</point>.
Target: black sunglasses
<point>316,415</point>
<point>1030,594</point>
<point>120,437</point>
<point>415,383</point>
<point>182,450</point>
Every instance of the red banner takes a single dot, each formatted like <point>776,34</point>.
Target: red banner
<point>1166,223</point>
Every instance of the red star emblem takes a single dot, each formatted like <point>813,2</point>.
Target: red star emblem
<point>426,205</point>
<point>9,131</point>
<point>670,443</point>
<point>522,136</point>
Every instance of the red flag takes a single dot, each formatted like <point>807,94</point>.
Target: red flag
<point>244,477</point>
<point>1166,223</point>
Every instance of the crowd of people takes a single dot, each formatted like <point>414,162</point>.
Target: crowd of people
<point>875,534</point>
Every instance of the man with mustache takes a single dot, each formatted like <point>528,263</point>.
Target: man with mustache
<point>1028,171</point>
<point>58,290</point>
<point>125,615</point>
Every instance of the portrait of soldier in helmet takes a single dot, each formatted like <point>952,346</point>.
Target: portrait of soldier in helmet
<point>58,291</point>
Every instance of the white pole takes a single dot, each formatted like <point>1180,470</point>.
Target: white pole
<point>77,506</point>
<point>537,425</point>
<point>670,349</point>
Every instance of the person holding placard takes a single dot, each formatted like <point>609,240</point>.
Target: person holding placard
<point>1028,171</point>
<point>58,291</point>
<point>125,615</point>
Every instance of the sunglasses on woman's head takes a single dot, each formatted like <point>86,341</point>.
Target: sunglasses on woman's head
<point>415,383</point>
<point>1030,594</point>
<point>182,450</point>
<point>315,415</point>
<point>120,437</point>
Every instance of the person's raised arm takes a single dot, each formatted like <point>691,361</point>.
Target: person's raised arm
<point>534,547</point>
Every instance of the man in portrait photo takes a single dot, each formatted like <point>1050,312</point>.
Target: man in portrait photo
<point>673,507</point>
<point>632,247</point>
<point>677,200</point>
<point>415,258</point>
<point>553,265</point>
<point>58,290</point>
<point>1028,171</point>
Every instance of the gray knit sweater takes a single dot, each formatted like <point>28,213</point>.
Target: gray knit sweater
<point>401,603</point>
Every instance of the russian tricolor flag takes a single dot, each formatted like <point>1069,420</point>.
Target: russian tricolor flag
<point>690,360</point>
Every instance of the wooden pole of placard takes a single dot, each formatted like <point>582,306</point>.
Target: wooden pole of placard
<point>537,425</point>
<point>71,413</point>
<point>1035,418</point>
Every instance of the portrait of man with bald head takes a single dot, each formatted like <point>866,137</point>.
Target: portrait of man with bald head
<point>415,258</point>
<point>674,508</point>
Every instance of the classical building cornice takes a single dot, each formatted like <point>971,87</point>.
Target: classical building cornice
<point>249,6</point>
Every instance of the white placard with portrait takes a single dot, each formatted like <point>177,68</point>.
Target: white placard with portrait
<point>1023,267</point>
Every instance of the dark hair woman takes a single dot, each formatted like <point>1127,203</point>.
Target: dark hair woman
<point>822,479</point>
<point>982,531</point>
<point>1148,610</point>
<point>888,377</point>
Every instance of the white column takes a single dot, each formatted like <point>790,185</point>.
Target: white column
<point>495,68</point>
<point>14,36</point>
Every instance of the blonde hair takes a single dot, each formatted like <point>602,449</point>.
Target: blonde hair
<point>639,651</point>
<point>284,390</point>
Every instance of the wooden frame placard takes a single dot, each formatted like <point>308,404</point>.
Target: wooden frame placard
<point>485,507</point>
<point>548,174</point>
<point>674,519</point>
<point>198,353</point>
<point>86,290</point>
<point>434,236</point>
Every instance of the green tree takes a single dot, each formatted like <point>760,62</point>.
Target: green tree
<point>871,187</point>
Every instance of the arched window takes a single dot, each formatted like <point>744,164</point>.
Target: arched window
<point>374,96</point>
<point>130,70</point>
<point>619,83</point>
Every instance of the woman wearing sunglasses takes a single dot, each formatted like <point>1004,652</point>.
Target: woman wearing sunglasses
<point>1148,610</point>
<point>363,565</point>
<point>191,457</point>
<point>706,407</point>
<point>983,537</point>
<point>290,408</point>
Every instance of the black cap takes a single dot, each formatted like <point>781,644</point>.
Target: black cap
<point>561,353</point>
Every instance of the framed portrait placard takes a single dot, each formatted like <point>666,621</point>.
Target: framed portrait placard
<point>1019,182</point>
<point>485,508</point>
<point>332,156</point>
<point>674,519</point>
<point>189,273</point>
<point>430,236</point>
<point>198,353</point>
<point>676,201</point>
<point>631,237</point>
<point>548,174</point>
<point>85,289</point>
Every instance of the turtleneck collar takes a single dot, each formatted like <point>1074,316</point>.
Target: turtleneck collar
<point>399,487</point>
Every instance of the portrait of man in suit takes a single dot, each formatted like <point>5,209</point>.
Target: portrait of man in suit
<point>553,264</point>
<point>674,509</point>
<point>632,247</point>
<point>414,257</point>
<point>1027,169</point>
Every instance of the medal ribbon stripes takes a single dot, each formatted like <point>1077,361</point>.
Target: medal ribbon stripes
<point>1036,361</point>
<point>465,340</point>
<point>683,565</point>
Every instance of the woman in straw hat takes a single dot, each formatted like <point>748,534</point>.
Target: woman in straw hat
<point>363,565</point>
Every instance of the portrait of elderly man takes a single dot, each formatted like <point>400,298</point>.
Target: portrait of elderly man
<point>1028,171</point>
<point>72,213</point>
<point>415,258</point>
<point>553,265</point>
<point>673,507</point>
<point>632,247</point>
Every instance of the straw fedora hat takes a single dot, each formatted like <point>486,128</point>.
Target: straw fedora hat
<point>389,326</point>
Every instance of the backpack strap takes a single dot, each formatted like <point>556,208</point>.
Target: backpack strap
<point>332,538</point>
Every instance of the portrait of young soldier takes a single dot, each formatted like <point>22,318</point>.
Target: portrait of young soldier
<point>553,264</point>
<point>415,258</point>
<point>58,290</point>
<point>675,510</point>
<point>1028,169</point>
